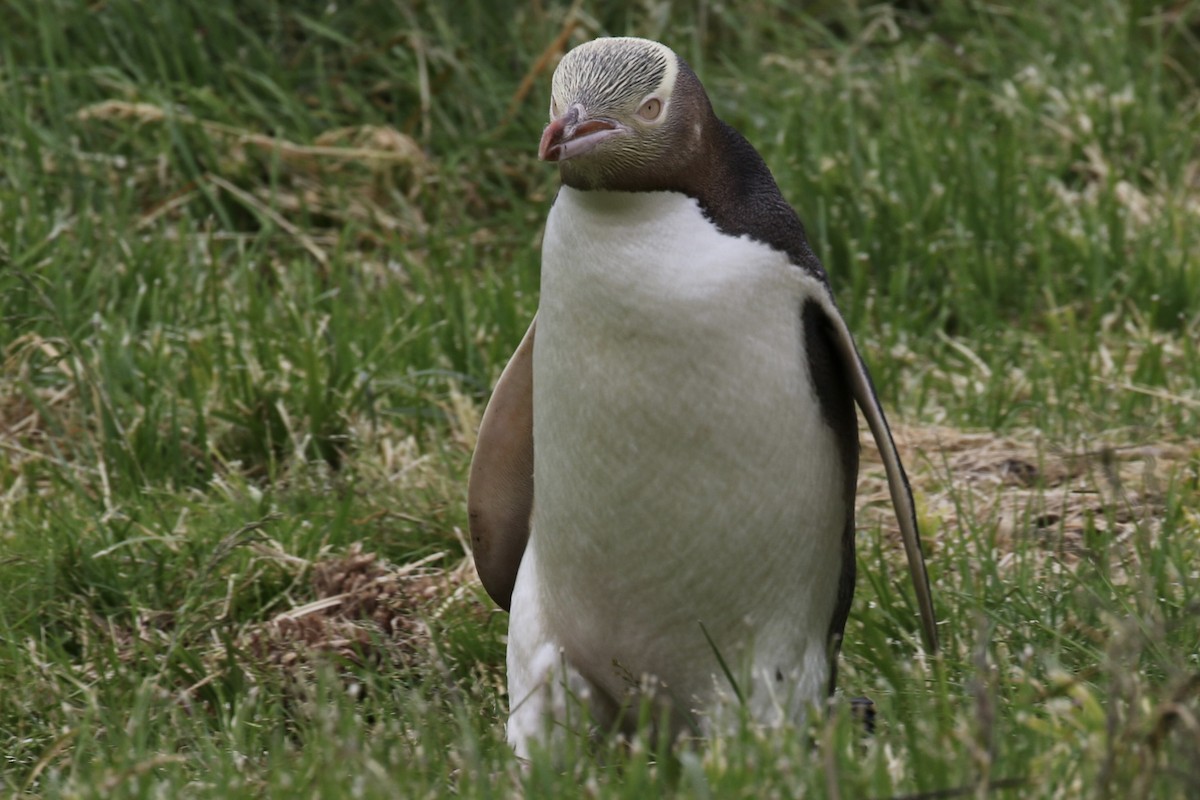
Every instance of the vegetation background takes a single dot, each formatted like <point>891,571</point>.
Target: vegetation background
<point>260,263</point>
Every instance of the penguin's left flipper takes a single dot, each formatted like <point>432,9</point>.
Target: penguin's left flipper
<point>500,486</point>
<point>902,498</point>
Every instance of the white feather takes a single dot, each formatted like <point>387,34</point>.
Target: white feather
<point>684,473</point>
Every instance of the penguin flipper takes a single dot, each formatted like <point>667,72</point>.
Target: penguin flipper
<point>902,497</point>
<point>500,486</point>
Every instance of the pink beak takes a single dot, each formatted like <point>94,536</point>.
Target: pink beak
<point>573,134</point>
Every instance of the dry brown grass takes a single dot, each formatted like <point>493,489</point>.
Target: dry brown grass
<point>365,611</point>
<point>1028,488</point>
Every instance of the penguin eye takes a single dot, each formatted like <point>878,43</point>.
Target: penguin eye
<point>650,109</point>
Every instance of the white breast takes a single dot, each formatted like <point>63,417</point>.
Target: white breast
<point>683,471</point>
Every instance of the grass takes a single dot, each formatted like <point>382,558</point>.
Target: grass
<point>261,263</point>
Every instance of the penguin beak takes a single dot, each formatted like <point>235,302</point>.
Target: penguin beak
<point>573,134</point>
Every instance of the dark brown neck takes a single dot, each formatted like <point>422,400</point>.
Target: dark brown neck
<point>717,167</point>
<point>738,193</point>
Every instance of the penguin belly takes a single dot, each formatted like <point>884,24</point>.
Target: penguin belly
<point>689,505</point>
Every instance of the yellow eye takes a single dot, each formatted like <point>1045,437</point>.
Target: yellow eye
<point>650,109</point>
<point>553,109</point>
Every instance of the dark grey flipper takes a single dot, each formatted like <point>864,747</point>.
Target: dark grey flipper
<point>500,487</point>
<point>902,497</point>
<point>832,386</point>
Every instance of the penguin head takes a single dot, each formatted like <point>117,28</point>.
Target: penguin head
<point>625,113</point>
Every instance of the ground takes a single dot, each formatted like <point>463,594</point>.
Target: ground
<point>261,263</point>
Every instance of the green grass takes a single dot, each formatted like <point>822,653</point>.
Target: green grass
<point>260,264</point>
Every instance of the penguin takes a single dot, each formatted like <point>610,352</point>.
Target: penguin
<point>662,490</point>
